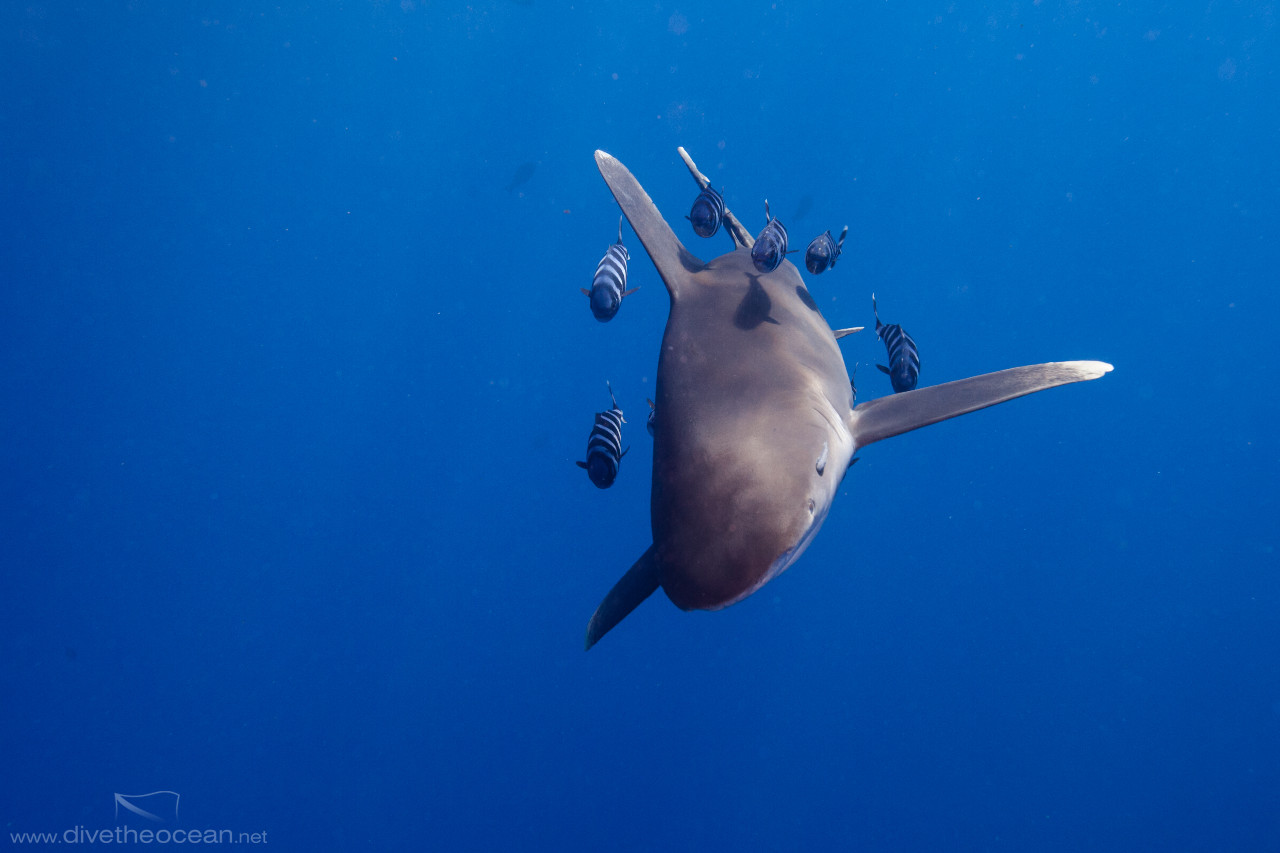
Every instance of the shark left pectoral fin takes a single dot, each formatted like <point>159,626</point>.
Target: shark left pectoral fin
<point>885,417</point>
<point>840,333</point>
<point>640,582</point>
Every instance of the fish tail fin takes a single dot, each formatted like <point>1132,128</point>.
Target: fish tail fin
<point>742,238</point>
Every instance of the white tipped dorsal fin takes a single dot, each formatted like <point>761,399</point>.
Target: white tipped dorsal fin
<point>673,260</point>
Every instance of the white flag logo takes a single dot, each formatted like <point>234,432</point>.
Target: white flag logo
<point>158,806</point>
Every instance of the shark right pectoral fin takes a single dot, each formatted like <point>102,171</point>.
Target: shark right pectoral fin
<point>640,582</point>
<point>893,415</point>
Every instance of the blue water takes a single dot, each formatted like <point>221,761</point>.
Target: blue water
<point>292,387</point>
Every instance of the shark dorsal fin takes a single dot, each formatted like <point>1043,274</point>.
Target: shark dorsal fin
<point>674,262</point>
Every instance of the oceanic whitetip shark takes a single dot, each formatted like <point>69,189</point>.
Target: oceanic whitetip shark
<point>755,423</point>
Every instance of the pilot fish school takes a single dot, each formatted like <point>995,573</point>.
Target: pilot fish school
<point>609,288</point>
<point>754,421</point>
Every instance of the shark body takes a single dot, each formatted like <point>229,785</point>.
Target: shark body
<point>755,419</point>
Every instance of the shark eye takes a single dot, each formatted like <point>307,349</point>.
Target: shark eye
<point>811,506</point>
<point>821,464</point>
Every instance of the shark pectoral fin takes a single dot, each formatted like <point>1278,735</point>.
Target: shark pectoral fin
<point>840,333</point>
<point>640,582</point>
<point>673,260</point>
<point>893,415</point>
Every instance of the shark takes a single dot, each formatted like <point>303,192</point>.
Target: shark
<point>755,423</point>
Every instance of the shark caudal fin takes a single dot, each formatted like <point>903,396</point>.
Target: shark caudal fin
<point>898,413</point>
<point>742,238</point>
<point>640,582</point>
<point>674,262</point>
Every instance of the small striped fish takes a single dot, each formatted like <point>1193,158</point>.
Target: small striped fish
<point>607,288</point>
<point>648,425</point>
<point>823,252</point>
<point>604,446</point>
<point>771,245</point>
<point>708,210</point>
<point>904,359</point>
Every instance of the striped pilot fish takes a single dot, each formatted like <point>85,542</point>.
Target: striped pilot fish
<point>607,292</point>
<point>708,210</point>
<point>823,252</point>
<point>648,425</point>
<point>604,446</point>
<point>904,359</point>
<point>771,246</point>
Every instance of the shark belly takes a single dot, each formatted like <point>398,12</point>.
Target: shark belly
<point>751,444</point>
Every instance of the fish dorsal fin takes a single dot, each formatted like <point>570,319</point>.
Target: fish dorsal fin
<point>640,582</point>
<point>674,262</point>
<point>886,417</point>
<point>742,238</point>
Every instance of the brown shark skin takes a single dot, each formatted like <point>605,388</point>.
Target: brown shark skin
<point>751,385</point>
<point>755,424</point>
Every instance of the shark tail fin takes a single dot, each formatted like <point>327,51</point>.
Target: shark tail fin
<point>640,582</point>
<point>673,260</point>
<point>742,238</point>
<point>885,417</point>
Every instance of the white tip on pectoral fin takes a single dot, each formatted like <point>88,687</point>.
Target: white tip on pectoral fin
<point>886,417</point>
<point>1087,369</point>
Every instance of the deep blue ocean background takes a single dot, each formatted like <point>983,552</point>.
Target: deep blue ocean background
<point>292,384</point>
